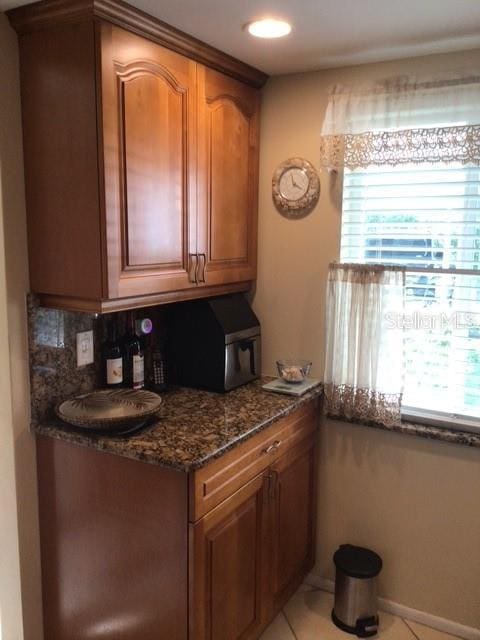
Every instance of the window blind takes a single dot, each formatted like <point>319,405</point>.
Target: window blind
<point>426,218</point>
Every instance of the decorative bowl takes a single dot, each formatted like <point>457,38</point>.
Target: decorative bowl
<point>293,370</point>
<point>109,408</point>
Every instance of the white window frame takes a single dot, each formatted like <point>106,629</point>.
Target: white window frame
<point>427,416</point>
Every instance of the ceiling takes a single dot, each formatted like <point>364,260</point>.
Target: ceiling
<point>326,33</point>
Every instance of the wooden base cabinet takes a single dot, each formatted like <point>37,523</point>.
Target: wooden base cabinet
<point>252,551</point>
<point>229,553</point>
<point>292,537</point>
<point>141,162</point>
<point>124,552</point>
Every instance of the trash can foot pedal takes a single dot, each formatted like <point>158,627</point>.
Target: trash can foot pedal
<point>365,627</point>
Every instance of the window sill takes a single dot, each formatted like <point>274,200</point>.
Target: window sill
<point>431,432</point>
<point>454,436</point>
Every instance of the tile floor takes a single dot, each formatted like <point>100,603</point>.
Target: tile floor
<point>306,616</point>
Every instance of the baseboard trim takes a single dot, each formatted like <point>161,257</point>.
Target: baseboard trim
<point>428,619</point>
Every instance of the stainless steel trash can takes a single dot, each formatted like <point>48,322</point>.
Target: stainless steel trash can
<point>355,609</point>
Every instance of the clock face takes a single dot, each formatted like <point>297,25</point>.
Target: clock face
<point>295,187</point>
<point>293,184</point>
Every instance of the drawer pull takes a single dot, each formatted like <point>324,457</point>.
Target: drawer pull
<point>272,447</point>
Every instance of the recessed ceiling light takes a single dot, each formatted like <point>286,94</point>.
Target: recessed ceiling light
<point>269,28</point>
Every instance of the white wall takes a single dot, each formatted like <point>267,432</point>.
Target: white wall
<point>20,599</point>
<point>416,502</point>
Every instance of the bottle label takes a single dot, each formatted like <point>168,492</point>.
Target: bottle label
<point>114,371</point>
<point>138,372</point>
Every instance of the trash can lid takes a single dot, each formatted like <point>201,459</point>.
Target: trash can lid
<point>357,562</point>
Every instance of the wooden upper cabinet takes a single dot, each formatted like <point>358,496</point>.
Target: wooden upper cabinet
<point>149,160</point>
<point>140,162</point>
<point>65,239</point>
<point>227,178</point>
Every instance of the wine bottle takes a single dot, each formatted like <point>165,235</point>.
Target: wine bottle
<point>112,356</point>
<point>143,329</point>
<point>133,356</point>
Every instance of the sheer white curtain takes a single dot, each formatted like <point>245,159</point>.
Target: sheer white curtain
<point>403,120</point>
<point>364,361</point>
<point>397,121</point>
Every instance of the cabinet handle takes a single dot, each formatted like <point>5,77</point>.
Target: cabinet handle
<point>272,447</point>
<point>197,264</point>
<point>267,482</point>
<point>272,485</point>
<point>203,255</point>
<point>191,256</point>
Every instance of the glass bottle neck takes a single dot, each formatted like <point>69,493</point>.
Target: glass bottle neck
<point>112,331</point>
<point>130,323</point>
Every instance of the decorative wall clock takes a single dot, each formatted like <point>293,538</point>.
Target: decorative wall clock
<point>295,188</point>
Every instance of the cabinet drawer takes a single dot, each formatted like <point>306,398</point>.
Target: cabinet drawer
<point>222,477</point>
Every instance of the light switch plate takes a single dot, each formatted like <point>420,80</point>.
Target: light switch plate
<point>84,348</point>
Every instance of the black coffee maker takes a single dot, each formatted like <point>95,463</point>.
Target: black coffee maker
<point>214,343</point>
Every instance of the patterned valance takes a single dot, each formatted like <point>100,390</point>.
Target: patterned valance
<point>408,146</point>
<point>403,120</point>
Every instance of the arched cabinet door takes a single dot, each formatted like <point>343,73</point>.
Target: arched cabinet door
<point>149,159</point>
<point>227,178</point>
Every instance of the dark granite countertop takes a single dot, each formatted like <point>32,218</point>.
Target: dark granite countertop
<point>193,427</point>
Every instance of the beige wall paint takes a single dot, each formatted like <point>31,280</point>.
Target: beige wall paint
<point>19,531</point>
<point>10,592</point>
<point>416,502</point>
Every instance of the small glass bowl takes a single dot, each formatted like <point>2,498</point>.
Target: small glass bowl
<point>293,370</point>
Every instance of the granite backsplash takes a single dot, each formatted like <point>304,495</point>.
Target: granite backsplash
<point>54,374</point>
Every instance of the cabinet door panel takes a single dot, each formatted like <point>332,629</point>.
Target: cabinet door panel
<point>228,172</point>
<point>227,177</point>
<point>293,522</point>
<point>229,567</point>
<point>149,160</point>
<point>154,170</point>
